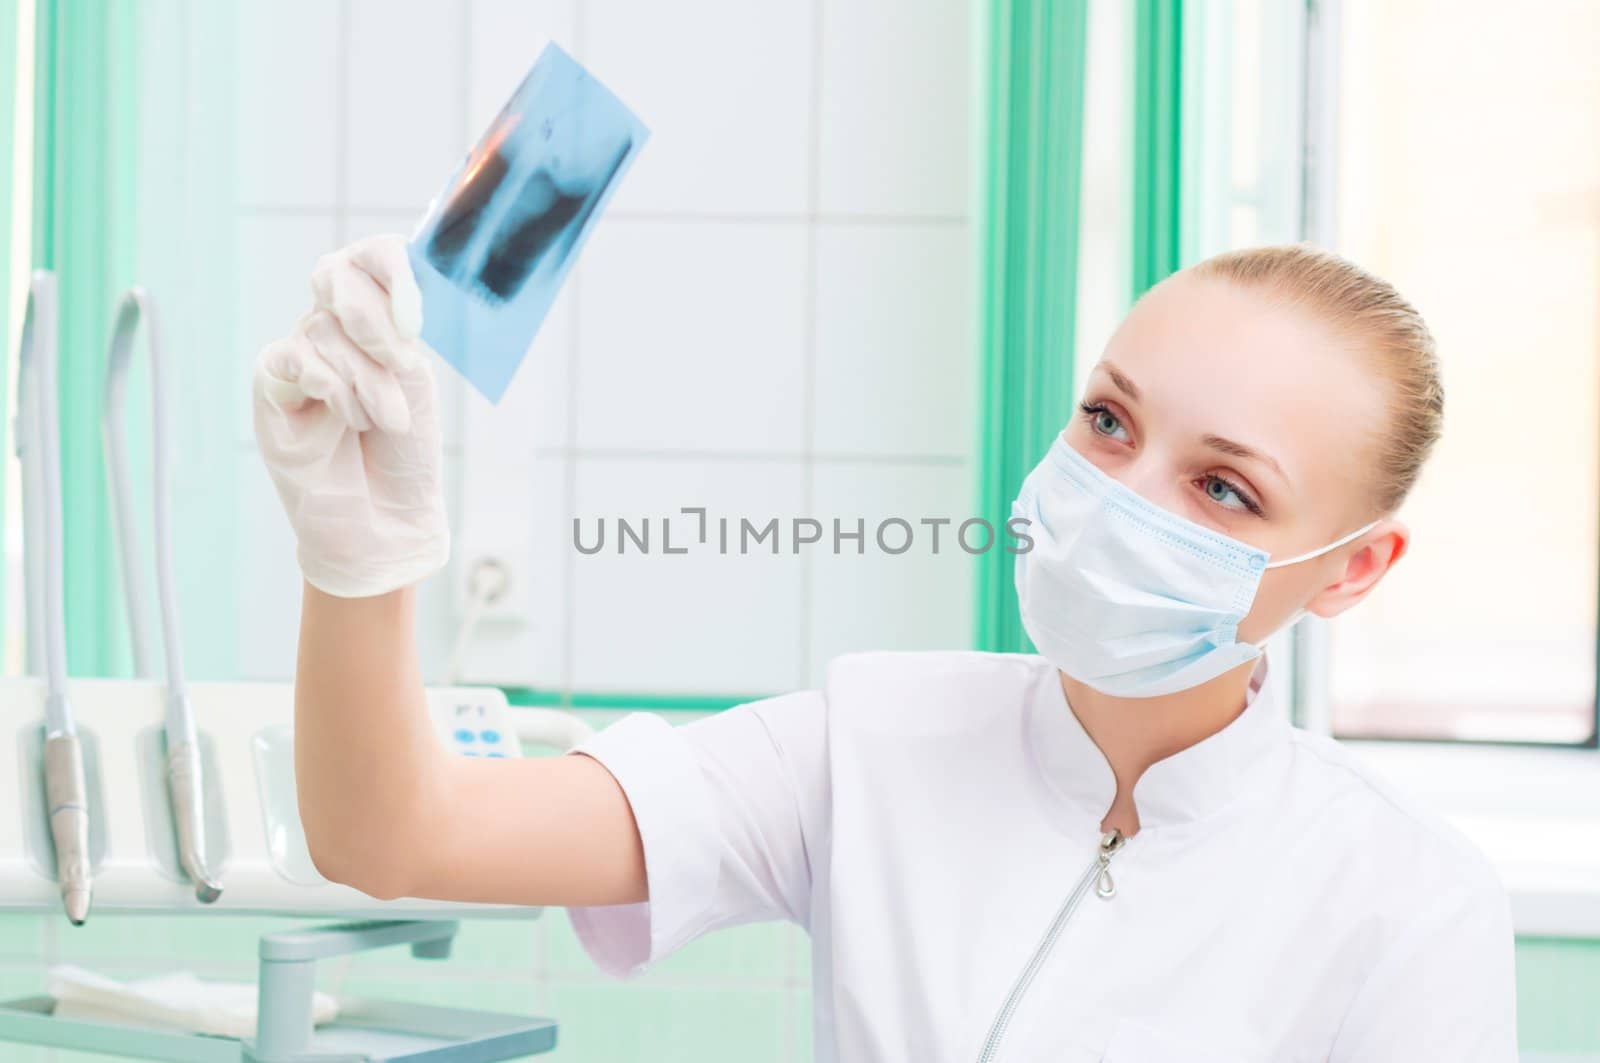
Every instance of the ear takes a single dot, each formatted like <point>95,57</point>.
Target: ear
<point>1374,555</point>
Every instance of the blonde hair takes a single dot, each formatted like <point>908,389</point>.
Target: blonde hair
<point>1371,311</point>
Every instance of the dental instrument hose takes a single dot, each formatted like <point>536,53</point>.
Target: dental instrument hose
<point>38,441</point>
<point>184,773</point>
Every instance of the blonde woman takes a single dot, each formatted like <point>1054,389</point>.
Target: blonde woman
<point>1116,850</point>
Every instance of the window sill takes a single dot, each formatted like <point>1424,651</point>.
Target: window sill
<point>1534,812</point>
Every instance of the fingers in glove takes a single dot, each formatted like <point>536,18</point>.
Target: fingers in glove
<point>385,260</point>
<point>278,373</point>
<point>376,387</point>
<point>422,400</point>
<point>350,294</point>
<point>291,373</point>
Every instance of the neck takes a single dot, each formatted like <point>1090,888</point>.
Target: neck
<point>1134,733</point>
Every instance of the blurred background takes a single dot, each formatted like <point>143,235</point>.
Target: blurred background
<point>855,273</point>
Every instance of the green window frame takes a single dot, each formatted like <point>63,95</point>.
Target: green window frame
<point>1034,85</point>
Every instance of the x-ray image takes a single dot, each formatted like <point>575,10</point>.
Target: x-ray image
<point>493,250</point>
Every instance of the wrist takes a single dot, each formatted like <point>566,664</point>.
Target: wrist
<point>375,577</point>
<point>399,600</point>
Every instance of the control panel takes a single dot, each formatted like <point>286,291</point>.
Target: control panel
<point>474,722</point>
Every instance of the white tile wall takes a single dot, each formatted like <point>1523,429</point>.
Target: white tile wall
<point>702,621</point>
<point>276,253</point>
<point>536,413</point>
<point>693,337</point>
<point>438,615</point>
<point>877,600</point>
<point>894,370</point>
<point>405,82</point>
<point>896,91</point>
<point>502,36</point>
<point>773,320</point>
<point>521,513</point>
<point>725,87</point>
<point>288,103</point>
<point>269,587</point>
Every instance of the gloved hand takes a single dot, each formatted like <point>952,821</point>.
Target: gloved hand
<point>346,418</point>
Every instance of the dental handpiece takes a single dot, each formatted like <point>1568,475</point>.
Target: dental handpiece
<point>67,799</point>
<point>185,787</point>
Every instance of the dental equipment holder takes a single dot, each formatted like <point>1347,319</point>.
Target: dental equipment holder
<point>103,735</point>
<point>364,1032</point>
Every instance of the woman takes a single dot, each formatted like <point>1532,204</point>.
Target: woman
<point>1117,851</point>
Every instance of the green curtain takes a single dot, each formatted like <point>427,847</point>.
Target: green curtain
<point>85,102</point>
<point>1157,141</point>
<point>1033,82</point>
<point>10,285</point>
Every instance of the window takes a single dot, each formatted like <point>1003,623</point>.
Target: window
<point>1469,175</point>
<point>1465,167</point>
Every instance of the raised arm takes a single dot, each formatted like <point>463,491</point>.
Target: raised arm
<point>346,420</point>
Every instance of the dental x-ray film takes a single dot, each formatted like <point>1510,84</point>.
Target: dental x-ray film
<point>495,246</point>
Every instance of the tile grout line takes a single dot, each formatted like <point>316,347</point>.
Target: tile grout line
<point>816,457</point>
<point>808,397</point>
<point>569,488</point>
<point>646,217</point>
<point>456,396</point>
<point>468,11</point>
<point>341,161</point>
<point>809,412</point>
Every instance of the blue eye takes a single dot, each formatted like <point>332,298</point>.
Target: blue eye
<point>1228,496</point>
<point>1104,422</point>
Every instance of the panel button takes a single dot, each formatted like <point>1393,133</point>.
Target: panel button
<point>490,737</point>
<point>464,736</point>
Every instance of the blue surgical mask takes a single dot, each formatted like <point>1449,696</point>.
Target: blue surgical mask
<point>1124,596</point>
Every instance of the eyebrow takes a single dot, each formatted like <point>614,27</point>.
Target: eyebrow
<point>1222,444</point>
<point>1239,450</point>
<point>1126,386</point>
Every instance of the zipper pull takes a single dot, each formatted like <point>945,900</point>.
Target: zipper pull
<point>1110,843</point>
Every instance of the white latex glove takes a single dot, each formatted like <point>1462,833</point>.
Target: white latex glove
<point>346,418</point>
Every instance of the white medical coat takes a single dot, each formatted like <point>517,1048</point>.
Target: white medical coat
<point>924,816</point>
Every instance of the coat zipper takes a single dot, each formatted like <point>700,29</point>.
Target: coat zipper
<point>1098,873</point>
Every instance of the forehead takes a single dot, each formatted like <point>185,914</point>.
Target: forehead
<point>1210,356</point>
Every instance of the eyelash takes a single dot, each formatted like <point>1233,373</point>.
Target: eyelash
<point>1249,503</point>
<point>1091,410</point>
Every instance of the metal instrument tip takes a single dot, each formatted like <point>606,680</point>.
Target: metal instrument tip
<point>76,902</point>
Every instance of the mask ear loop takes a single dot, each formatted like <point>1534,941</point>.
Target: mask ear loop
<point>1301,614</point>
<point>1358,533</point>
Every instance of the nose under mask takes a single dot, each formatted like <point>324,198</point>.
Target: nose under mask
<point>1125,596</point>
